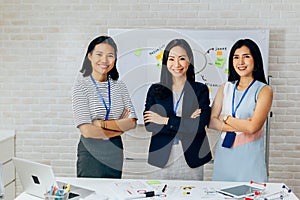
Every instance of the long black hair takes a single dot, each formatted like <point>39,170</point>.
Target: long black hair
<point>87,68</point>
<point>258,71</point>
<point>166,80</point>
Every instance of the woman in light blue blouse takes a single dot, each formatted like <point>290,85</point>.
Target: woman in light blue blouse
<point>239,110</point>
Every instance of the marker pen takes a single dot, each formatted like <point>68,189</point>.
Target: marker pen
<point>146,194</point>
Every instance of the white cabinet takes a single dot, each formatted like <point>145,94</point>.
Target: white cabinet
<point>7,149</point>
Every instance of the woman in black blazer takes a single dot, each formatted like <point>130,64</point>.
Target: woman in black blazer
<point>176,112</point>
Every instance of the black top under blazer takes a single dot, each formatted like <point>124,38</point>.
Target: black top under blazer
<point>190,131</point>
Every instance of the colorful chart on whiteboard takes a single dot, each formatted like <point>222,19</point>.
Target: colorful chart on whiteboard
<point>140,53</point>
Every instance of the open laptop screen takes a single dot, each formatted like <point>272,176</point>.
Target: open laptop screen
<point>37,179</point>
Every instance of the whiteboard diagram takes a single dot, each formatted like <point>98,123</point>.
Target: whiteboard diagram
<point>140,52</point>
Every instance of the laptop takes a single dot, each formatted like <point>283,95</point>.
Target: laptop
<point>37,179</point>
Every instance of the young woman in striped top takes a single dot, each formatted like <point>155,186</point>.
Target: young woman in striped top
<point>102,111</point>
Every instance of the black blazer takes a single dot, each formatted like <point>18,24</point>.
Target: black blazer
<point>190,131</point>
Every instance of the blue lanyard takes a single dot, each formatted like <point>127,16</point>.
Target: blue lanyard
<point>177,103</point>
<point>243,96</point>
<point>101,97</point>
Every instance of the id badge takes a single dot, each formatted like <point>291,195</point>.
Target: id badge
<point>229,139</point>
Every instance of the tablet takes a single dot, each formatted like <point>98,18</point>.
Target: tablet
<point>239,191</point>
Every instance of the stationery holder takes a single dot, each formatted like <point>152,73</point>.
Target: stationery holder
<point>55,197</point>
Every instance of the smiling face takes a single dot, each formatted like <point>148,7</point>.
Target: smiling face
<point>243,62</point>
<point>178,62</point>
<point>102,59</point>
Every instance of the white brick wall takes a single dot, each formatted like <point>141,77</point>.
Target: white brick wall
<point>42,44</point>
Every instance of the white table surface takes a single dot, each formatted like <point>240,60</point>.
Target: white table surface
<point>105,189</point>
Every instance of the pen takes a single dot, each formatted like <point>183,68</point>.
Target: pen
<point>164,188</point>
<point>146,194</point>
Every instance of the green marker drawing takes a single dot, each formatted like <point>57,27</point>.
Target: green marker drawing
<point>226,71</point>
<point>138,51</point>
<point>220,62</point>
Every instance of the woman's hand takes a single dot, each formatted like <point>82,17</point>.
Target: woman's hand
<point>125,113</point>
<point>196,113</point>
<point>98,123</point>
<point>153,117</point>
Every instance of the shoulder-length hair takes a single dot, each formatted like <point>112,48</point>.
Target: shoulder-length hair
<point>258,71</point>
<point>87,68</point>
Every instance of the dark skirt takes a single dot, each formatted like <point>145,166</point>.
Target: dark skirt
<point>99,158</point>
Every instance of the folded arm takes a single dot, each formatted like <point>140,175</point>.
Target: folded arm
<point>216,120</point>
<point>108,128</point>
<point>251,125</point>
<point>256,122</point>
<point>96,132</point>
<point>157,119</point>
<point>121,125</point>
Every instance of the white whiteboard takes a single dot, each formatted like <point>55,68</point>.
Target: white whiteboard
<point>140,52</point>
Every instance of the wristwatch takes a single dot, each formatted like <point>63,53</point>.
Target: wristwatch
<point>225,118</point>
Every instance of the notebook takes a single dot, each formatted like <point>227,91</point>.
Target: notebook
<point>37,178</point>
